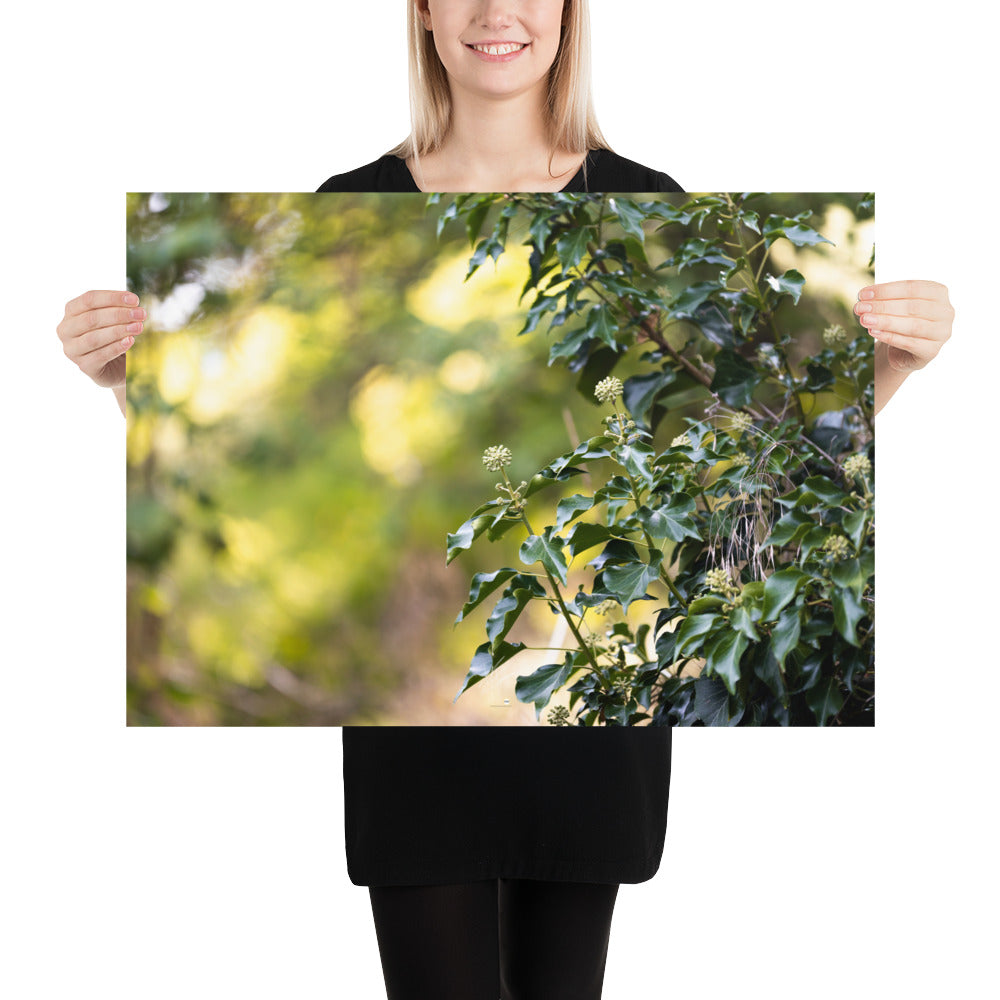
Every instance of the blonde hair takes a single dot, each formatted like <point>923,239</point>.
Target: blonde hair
<point>569,108</point>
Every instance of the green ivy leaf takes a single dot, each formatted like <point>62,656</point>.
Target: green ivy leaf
<point>790,283</point>
<point>722,654</point>
<point>539,686</point>
<point>485,661</point>
<point>785,635</point>
<point>825,700</point>
<point>776,226</point>
<point>471,529</point>
<point>601,325</point>
<point>636,457</point>
<point>483,584</point>
<point>734,379</point>
<point>711,703</point>
<point>826,489</point>
<point>692,631</point>
<point>641,391</point>
<point>790,529</point>
<point>673,521</point>
<point>850,573</point>
<point>780,589</point>
<point>629,582</point>
<point>847,612</point>
<point>691,298</point>
<point>586,535</point>
<point>856,526</point>
<point>740,620</point>
<point>546,549</point>
<point>570,508</point>
<point>573,246</point>
<point>508,609</point>
<point>631,216</point>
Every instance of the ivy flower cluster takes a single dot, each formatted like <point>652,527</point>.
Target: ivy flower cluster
<point>558,716</point>
<point>497,457</point>
<point>857,465</point>
<point>838,546</point>
<point>834,336</point>
<point>609,389</point>
<point>741,422</point>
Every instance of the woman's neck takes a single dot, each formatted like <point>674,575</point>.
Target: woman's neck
<point>496,145</point>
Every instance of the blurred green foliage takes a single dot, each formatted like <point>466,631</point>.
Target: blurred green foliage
<point>306,413</point>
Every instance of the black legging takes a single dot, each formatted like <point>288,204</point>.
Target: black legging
<point>515,939</point>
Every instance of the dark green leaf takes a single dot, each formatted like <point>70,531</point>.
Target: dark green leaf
<point>791,528</point>
<point>483,584</point>
<point>711,703</point>
<point>485,662</point>
<point>538,687</point>
<point>722,654</point>
<point>847,612</point>
<point>780,589</point>
<point>825,700</point>
<point>570,508</point>
<point>585,536</point>
<point>785,635</point>
<point>734,379</point>
<point>631,217</point>
<point>856,526</point>
<point>740,620</point>
<point>601,325</point>
<point>573,245</point>
<point>470,531</point>
<point>790,283</point>
<point>641,391</point>
<point>849,573</point>
<point>630,581</point>
<point>508,609</point>
<point>693,630</point>
<point>546,549</point>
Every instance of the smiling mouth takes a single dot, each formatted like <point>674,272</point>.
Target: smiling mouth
<point>503,49</point>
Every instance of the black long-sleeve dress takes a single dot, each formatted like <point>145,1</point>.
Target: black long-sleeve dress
<point>444,804</point>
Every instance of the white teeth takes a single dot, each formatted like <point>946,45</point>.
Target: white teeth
<point>499,50</point>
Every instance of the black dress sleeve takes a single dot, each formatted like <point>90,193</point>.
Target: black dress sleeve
<point>387,173</point>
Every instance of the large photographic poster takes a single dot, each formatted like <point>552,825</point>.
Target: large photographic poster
<point>537,459</point>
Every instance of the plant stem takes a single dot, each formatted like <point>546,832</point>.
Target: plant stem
<point>569,618</point>
<point>664,576</point>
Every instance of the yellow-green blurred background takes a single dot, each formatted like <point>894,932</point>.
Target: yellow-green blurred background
<point>307,410</point>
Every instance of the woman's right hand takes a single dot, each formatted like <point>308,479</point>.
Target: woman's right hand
<point>97,330</point>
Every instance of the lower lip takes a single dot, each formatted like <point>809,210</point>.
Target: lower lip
<point>506,57</point>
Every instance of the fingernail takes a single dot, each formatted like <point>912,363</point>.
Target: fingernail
<point>862,307</point>
<point>866,293</point>
<point>134,327</point>
<point>128,341</point>
<point>130,299</point>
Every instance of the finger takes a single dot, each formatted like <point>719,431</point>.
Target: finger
<point>93,362</point>
<point>909,326</point>
<point>81,347</point>
<point>932,309</point>
<point>98,300</point>
<point>920,348</point>
<point>98,319</point>
<point>910,289</point>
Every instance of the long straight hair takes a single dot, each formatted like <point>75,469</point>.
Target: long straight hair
<point>571,123</point>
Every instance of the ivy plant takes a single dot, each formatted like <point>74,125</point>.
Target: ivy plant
<point>751,531</point>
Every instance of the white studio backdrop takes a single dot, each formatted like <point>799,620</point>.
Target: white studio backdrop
<point>205,864</point>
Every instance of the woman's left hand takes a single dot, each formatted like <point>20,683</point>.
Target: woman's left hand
<point>912,318</point>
